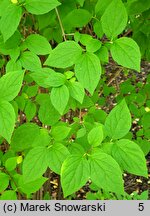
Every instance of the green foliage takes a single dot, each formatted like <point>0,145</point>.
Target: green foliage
<point>114,26</point>
<point>130,157</point>
<point>65,118</point>
<point>88,71</point>
<point>10,85</point>
<point>126,52</point>
<point>57,153</point>
<point>95,136</point>
<point>7,120</point>
<point>64,55</point>
<point>4,181</point>
<point>36,156</point>
<point>118,122</point>
<point>105,172</point>
<point>10,20</point>
<point>40,7</point>
<point>59,98</point>
<point>38,44</point>
<point>75,172</point>
<point>24,136</point>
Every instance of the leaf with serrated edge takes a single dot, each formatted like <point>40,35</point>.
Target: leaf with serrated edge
<point>57,153</point>
<point>7,120</point>
<point>10,21</point>
<point>10,85</point>
<point>88,71</point>
<point>59,98</point>
<point>64,55</point>
<point>35,164</point>
<point>38,44</point>
<point>118,122</point>
<point>76,91</point>
<point>114,19</point>
<point>41,7</point>
<point>126,52</point>
<point>105,172</point>
<point>95,136</point>
<point>130,157</point>
<point>74,174</point>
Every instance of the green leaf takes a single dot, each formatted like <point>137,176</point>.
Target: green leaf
<point>3,6</point>
<point>10,85</point>
<point>101,6</point>
<point>105,172</point>
<point>30,61</point>
<point>126,52</point>
<point>64,55</point>
<point>93,45</point>
<point>60,132</point>
<point>59,98</point>
<point>118,122</point>
<point>47,114</point>
<point>55,80</point>
<point>11,163</point>
<point>76,91</point>
<point>74,174</point>
<point>95,136</point>
<point>114,19</point>
<point>13,66</point>
<point>9,195</point>
<point>81,2</point>
<point>57,153</point>
<point>7,120</point>
<point>38,44</point>
<point>41,7</point>
<point>46,77</point>
<point>20,102</point>
<point>4,181</point>
<point>10,20</point>
<point>31,187</point>
<point>103,54</point>
<point>42,139</point>
<point>98,29</point>
<point>10,46</point>
<point>35,164</point>
<point>30,110</point>
<point>88,71</point>
<point>24,136</point>
<point>137,6</point>
<point>146,121</point>
<point>130,157</point>
<point>77,18</point>
<point>31,90</point>
<point>76,149</point>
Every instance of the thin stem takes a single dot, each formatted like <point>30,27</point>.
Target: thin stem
<point>127,33</point>
<point>61,25</point>
<point>47,185</point>
<point>59,192</point>
<point>112,79</point>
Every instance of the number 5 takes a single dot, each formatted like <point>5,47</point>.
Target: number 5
<point>141,206</point>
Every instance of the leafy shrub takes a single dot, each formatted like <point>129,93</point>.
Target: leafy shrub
<point>53,89</point>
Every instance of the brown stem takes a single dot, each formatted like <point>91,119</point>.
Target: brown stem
<point>127,33</point>
<point>61,25</point>
<point>59,192</point>
<point>47,185</point>
<point>112,79</point>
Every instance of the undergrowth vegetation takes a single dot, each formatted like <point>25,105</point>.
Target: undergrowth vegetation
<point>65,120</point>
